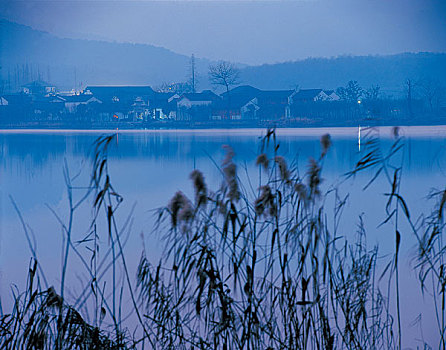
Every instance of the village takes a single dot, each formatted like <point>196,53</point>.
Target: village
<point>41,103</point>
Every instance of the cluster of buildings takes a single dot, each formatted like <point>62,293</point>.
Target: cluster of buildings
<point>41,101</point>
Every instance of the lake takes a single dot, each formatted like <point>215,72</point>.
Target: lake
<point>148,167</point>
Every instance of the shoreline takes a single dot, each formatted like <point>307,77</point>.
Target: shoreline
<point>413,130</point>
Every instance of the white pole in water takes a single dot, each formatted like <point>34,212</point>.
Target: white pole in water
<point>359,137</point>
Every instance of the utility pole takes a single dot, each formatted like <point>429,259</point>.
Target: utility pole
<point>75,81</point>
<point>2,81</point>
<point>409,84</point>
<point>192,64</point>
<point>9,80</point>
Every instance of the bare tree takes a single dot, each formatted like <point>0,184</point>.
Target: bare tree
<point>224,74</point>
<point>192,81</point>
<point>352,92</point>
<point>372,93</point>
<point>372,103</point>
<point>431,91</point>
<point>409,85</point>
<point>178,88</point>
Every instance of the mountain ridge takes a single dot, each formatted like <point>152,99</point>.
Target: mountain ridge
<point>96,62</point>
<point>69,62</point>
<point>387,71</point>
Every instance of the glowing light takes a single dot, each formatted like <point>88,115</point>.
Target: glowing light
<point>359,102</point>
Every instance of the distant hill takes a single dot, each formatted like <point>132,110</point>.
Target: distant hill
<point>27,54</point>
<point>25,51</point>
<point>389,72</point>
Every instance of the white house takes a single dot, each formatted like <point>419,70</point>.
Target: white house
<point>332,95</point>
<point>237,108</point>
<point>190,100</point>
<point>3,101</point>
<point>188,104</point>
<point>173,98</point>
<point>309,95</point>
<point>72,102</point>
<point>39,87</point>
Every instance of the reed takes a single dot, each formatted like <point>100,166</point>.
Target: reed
<point>242,269</point>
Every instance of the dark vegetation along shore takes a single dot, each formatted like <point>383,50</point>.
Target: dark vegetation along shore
<point>243,267</point>
<point>41,105</point>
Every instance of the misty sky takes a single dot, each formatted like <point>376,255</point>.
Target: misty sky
<point>252,32</point>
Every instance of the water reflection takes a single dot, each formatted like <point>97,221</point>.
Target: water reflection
<point>36,152</point>
<point>148,167</point>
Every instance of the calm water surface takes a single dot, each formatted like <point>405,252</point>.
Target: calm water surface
<point>148,167</point>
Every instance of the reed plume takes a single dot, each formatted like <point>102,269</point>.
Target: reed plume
<point>325,144</point>
<point>283,168</point>
<point>199,187</point>
<point>262,160</point>
<point>265,201</point>
<point>230,174</point>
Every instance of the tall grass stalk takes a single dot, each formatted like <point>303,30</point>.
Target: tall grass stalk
<point>244,267</point>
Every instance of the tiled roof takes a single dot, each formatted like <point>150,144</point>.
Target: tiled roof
<point>275,94</point>
<point>307,94</point>
<point>78,98</point>
<point>245,90</point>
<point>233,102</point>
<point>122,92</point>
<point>206,95</point>
<point>17,99</point>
